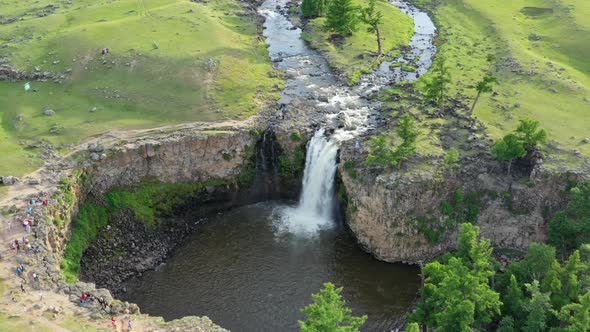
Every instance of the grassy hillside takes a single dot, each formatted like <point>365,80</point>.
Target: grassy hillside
<point>357,52</point>
<point>542,49</point>
<point>170,61</point>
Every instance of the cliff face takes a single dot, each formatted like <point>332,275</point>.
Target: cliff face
<point>176,157</point>
<point>391,215</point>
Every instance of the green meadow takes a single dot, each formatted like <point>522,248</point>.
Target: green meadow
<point>356,54</point>
<point>170,61</point>
<point>542,50</point>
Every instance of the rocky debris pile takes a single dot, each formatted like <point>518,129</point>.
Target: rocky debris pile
<point>97,151</point>
<point>130,248</point>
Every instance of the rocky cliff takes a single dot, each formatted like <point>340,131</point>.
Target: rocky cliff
<point>411,215</point>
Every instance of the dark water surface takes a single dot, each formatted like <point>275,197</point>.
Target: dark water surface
<point>244,273</point>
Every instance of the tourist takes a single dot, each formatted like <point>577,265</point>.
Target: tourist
<point>35,277</point>
<point>18,271</point>
<point>9,225</point>
<point>28,228</point>
<point>45,202</point>
<point>129,324</point>
<point>22,287</point>
<point>114,322</point>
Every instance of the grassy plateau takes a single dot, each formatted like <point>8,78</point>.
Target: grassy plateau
<point>542,51</point>
<point>170,61</point>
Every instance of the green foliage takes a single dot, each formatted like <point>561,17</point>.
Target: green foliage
<point>570,228</point>
<point>313,8</point>
<point>292,166</point>
<point>506,325</point>
<point>413,327</point>
<point>149,202</point>
<point>373,17</point>
<point>530,134</point>
<point>328,313</point>
<point>153,200</point>
<point>456,295</point>
<point>451,160</point>
<point>483,86</point>
<point>513,300</point>
<point>437,87</point>
<point>382,155</point>
<point>508,148</point>
<point>536,308</point>
<point>349,168</point>
<point>342,17</point>
<point>575,317</point>
<point>296,136</point>
<point>91,218</point>
<point>460,208</point>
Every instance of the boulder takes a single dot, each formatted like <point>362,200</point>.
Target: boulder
<point>49,112</point>
<point>343,121</point>
<point>9,180</point>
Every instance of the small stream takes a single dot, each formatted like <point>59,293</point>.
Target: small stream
<point>254,268</point>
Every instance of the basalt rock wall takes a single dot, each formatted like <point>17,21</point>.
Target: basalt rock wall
<point>389,213</point>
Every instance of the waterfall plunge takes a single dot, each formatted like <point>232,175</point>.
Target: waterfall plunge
<point>314,211</point>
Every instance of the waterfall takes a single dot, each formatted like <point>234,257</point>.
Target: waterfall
<point>318,178</point>
<point>316,204</point>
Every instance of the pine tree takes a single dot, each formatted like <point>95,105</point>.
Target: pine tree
<point>513,300</point>
<point>341,17</point>
<point>328,312</point>
<point>575,316</point>
<point>436,88</point>
<point>313,8</point>
<point>373,18</point>
<point>457,295</point>
<point>537,309</point>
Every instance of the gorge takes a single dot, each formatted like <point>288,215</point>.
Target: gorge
<point>241,220</point>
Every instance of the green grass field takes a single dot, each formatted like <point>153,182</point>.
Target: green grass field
<point>357,52</point>
<point>542,49</point>
<point>158,71</point>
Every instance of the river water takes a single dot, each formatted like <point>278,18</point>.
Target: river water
<point>243,270</point>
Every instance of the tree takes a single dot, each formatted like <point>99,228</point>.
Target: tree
<point>451,159</point>
<point>508,148</point>
<point>575,316</point>
<point>570,227</point>
<point>483,86</point>
<point>408,132</point>
<point>379,153</point>
<point>413,327</point>
<point>328,313</point>
<point>530,134</point>
<point>373,17</point>
<point>313,8</point>
<point>437,87</point>
<point>341,17</point>
<point>506,325</point>
<point>513,300</point>
<point>537,308</point>
<point>457,295</point>
<point>384,156</point>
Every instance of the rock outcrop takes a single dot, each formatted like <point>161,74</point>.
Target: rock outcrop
<point>389,213</point>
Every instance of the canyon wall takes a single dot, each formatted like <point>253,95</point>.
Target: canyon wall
<point>391,213</point>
